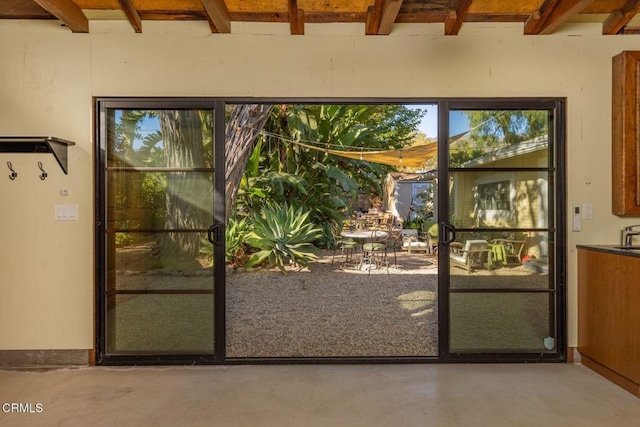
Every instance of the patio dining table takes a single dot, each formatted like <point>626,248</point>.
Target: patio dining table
<point>360,236</point>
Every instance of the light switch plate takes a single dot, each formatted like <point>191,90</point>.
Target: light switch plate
<point>587,211</point>
<point>66,212</point>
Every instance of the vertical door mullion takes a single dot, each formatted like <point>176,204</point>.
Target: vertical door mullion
<point>219,218</point>
<point>443,211</point>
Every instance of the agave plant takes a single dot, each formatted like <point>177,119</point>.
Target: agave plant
<point>282,234</point>
<point>235,235</point>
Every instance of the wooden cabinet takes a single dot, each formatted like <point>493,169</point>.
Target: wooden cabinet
<point>625,118</point>
<point>609,316</point>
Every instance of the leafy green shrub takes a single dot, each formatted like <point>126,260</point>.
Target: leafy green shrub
<point>282,234</point>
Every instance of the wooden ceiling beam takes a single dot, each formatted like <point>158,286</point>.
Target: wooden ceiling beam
<point>217,15</point>
<point>390,9</point>
<point>621,17</point>
<point>537,19</point>
<point>561,13</point>
<point>296,18</point>
<point>374,16</point>
<point>132,14</point>
<point>68,12</point>
<point>455,18</point>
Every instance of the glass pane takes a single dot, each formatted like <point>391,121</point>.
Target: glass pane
<point>160,138</point>
<point>159,200</point>
<point>504,322</point>
<point>500,260</point>
<point>515,199</point>
<point>160,324</point>
<point>499,138</point>
<point>159,261</point>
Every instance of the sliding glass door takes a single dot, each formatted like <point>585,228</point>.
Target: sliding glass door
<point>158,196</point>
<point>494,290</point>
<point>500,227</point>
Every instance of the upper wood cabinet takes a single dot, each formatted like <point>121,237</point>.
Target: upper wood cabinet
<point>625,166</point>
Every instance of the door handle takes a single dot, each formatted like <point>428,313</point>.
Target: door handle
<point>448,232</point>
<point>214,234</point>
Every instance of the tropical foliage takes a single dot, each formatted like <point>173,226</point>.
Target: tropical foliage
<point>283,235</point>
<point>280,170</point>
<point>493,129</point>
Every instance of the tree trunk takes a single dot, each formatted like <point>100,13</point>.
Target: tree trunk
<point>244,125</point>
<point>186,191</point>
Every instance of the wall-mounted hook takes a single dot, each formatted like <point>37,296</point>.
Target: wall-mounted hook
<point>13,174</point>
<point>43,175</point>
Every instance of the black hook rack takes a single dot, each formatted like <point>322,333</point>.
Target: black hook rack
<point>37,144</point>
<point>13,174</point>
<point>43,175</point>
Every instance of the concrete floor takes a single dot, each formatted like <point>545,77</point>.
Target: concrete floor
<point>317,395</point>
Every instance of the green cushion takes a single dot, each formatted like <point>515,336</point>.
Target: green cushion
<point>374,246</point>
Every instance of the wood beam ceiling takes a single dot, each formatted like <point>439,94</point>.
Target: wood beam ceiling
<point>455,18</point>
<point>68,12</point>
<point>374,15</point>
<point>132,15</point>
<point>554,13</point>
<point>390,9</point>
<point>616,21</point>
<point>539,17</point>
<point>217,15</point>
<point>296,18</point>
<point>379,16</point>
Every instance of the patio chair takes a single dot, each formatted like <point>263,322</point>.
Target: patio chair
<point>374,252</point>
<point>411,242</point>
<point>474,254</point>
<point>429,233</point>
<point>346,246</point>
<point>395,239</point>
<point>511,250</point>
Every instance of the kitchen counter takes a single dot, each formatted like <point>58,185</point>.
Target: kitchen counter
<point>613,249</point>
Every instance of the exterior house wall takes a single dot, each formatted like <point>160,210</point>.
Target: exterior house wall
<point>525,186</point>
<point>50,76</point>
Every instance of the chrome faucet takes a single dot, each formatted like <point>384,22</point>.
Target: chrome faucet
<point>628,233</point>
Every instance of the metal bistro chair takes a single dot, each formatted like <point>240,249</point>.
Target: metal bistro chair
<point>395,239</point>
<point>375,250</point>
<point>346,246</point>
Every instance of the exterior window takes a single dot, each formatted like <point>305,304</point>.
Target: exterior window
<point>422,200</point>
<point>494,196</point>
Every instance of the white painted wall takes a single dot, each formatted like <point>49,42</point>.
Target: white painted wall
<point>48,77</point>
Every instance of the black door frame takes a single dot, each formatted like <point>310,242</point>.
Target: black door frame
<point>218,105</point>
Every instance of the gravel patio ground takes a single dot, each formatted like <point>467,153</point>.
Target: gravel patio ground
<point>328,311</point>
